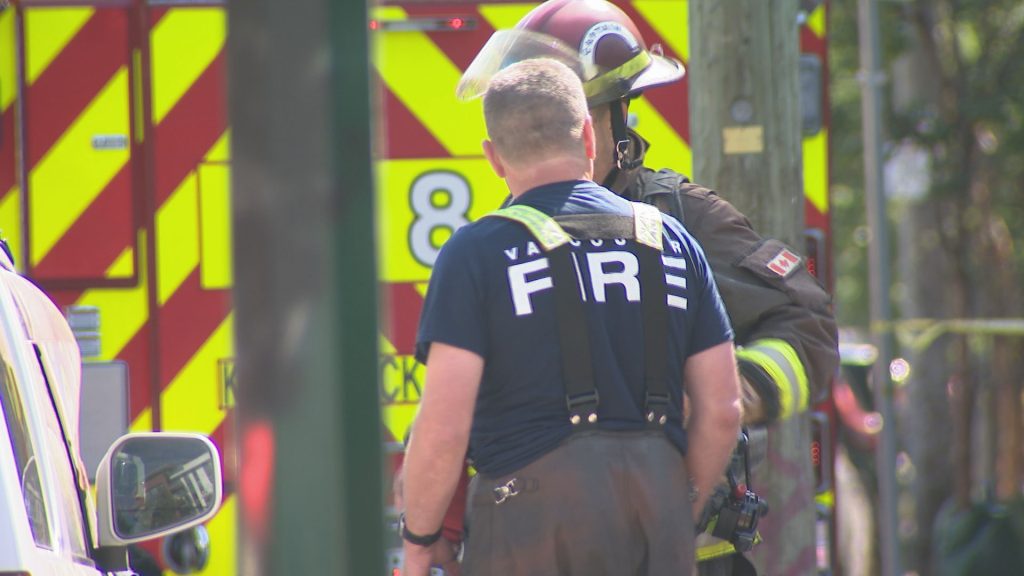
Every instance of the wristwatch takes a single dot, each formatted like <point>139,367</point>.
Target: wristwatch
<point>416,538</point>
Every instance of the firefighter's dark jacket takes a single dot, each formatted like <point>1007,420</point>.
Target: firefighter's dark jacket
<point>785,329</point>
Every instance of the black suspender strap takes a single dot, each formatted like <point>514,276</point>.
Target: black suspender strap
<point>654,303</point>
<point>653,297</point>
<point>581,396</point>
<point>645,228</point>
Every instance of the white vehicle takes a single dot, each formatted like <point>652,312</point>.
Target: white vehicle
<point>148,485</point>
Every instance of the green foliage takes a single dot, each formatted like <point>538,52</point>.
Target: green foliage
<point>954,86</point>
<point>972,124</point>
<point>848,223</point>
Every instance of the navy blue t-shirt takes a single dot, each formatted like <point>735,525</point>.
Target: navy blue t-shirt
<point>491,293</point>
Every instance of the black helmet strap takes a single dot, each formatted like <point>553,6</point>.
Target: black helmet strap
<point>620,140</point>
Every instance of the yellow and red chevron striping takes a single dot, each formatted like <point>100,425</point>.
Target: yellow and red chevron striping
<point>672,100</point>
<point>187,320</point>
<point>136,354</point>
<point>191,125</point>
<point>816,156</point>
<point>190,313</point>
<point>404,304</point>
<point>181,140</point>
<point>404,135</point>
<point>156,13</point>
<point>190,129</point>
<point>7,170</point>
<point>10,209</point>
<point>813,34</point>
<point>96,237</point>
<point>70,82</point>
<point>82,88</point>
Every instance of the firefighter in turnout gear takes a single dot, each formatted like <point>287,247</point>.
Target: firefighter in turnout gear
<point>558,335</point>
<point>784,327</point>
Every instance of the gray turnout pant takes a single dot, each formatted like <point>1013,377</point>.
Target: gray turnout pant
<point>602,503</point>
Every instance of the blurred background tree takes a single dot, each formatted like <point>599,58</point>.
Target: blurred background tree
<point>954,176</point>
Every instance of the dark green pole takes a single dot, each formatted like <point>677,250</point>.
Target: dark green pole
<point>872,78</point>
<point>310,484</point>
<point>355,253</point>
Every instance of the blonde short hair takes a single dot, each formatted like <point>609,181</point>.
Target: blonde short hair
<point>535,109</point>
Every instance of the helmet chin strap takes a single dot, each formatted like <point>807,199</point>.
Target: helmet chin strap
<point>620,140</point>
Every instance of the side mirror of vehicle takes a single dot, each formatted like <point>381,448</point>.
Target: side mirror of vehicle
<point>154,484</point>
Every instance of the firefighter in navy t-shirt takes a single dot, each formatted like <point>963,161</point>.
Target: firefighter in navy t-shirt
<point>558,335</point>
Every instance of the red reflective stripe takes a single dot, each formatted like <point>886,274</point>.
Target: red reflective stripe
<point>811,42</point>
<point>223,437</point>
<point>190,129</point>
<point>155,14</point>
<point>402,303</point>
<point>97,238</point>
<point>813,218</point>
<point>136,355</point>
<point>64,298</point>
<point>187,320</point>
<point>405,135</point>
<point>73,79</point>
<point>7,168</point>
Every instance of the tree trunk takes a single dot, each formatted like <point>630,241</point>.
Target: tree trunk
<point>925,266</point>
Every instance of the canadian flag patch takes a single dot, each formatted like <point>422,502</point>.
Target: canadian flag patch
<point>784,263</point>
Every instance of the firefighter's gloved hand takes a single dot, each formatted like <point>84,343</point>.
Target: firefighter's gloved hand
<point>753,407</point>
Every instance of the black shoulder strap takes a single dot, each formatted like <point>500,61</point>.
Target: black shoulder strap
<point>663,189</point>
<point>653,298</point>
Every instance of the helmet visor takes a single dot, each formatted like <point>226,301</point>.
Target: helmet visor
<point>506,47</point>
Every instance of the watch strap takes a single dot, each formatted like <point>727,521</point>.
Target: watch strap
<point>417,539</point>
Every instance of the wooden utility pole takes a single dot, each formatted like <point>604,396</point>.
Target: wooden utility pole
<point>746,137</point>
<point>745,109</point>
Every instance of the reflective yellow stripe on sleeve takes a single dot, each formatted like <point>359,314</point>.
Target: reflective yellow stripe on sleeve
<point>782,364</point>
<point>709,547</point>
<point>826,499</point>
<point>716,550</point>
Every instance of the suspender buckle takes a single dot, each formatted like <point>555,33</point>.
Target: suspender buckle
<point>583,407</point>
<point>657,408</point>
<point>506,491</point>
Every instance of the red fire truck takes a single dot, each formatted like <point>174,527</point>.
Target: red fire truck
<point>115,190</point>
